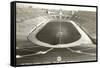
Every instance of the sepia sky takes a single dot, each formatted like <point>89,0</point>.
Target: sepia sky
<point>45,6</point>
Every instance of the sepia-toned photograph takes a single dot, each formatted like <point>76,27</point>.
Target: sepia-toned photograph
<point>51,33</point>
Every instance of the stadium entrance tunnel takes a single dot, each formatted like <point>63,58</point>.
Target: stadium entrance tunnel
<point>58,34</point>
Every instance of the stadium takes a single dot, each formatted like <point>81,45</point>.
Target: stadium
<point>49,35</point>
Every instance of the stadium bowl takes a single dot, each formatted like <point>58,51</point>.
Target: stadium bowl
<point>58,34</point>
